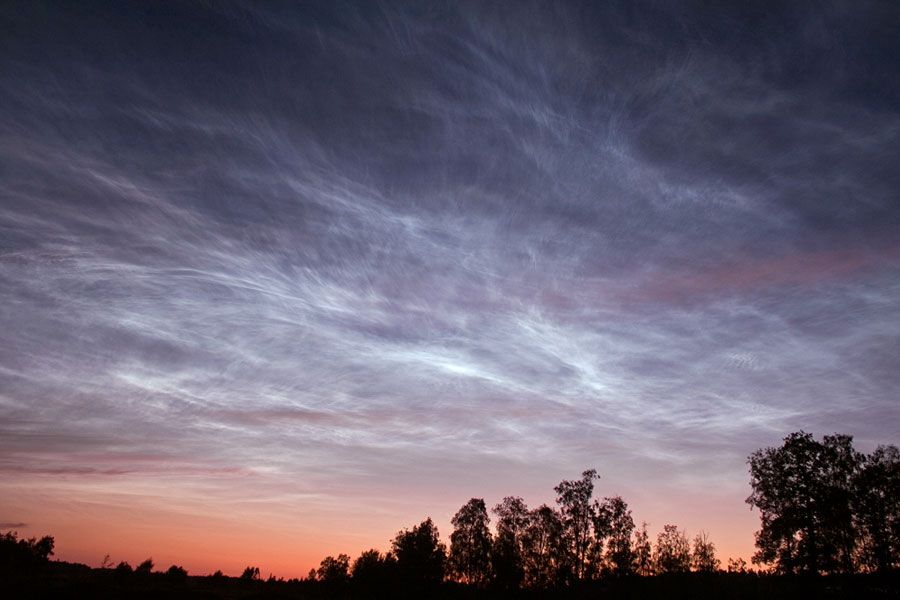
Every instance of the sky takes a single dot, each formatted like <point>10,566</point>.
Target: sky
<point>279,280</point>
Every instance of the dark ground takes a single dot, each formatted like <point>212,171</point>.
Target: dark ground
<point>66,580</point>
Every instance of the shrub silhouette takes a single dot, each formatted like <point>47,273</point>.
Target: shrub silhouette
<point>145,568</point>
<point>24,554</point>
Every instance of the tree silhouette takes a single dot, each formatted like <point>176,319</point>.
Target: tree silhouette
<point>673,552</point>
<point>470,544</point>
<point>803,490</point>
<point>613,525</point>
<point>250,574</point>
<point>145,568</point>
<point>643,553</point>
<point>877,509</point>
<point>421,556</point>
<point>373,572</point>
<point>574,500</point>
<point>176,574</point>
<point>545,551</point>
<point>334,571</point>
<point>24,554</point>
<point>703,555</point>
<point>737,565</point>
<point>123,569</point>
<point>507,557</point>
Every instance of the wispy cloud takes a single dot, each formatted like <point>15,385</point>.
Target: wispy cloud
<point>351,253</point>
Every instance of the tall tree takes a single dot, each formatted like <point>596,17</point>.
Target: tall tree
<point>506,556</point>
<point>574,500</point>
<point>470,543</point>
<point>803,490</point>
<point>544,549</point>
<point>673,552</point>
<point>877,509</point>
<point>613,525</point>
<point>703,554</point>
<point>421,556</point>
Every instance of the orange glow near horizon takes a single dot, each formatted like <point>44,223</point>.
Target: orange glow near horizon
<point>279,280</point>
<point>89,523</point>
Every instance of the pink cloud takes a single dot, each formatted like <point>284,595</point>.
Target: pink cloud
<point>805,269</point>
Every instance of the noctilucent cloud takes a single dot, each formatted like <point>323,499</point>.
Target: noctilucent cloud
<point>278,280</point>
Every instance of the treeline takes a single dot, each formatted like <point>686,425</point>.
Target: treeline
<point>825,509</point>
<point>547,547</point>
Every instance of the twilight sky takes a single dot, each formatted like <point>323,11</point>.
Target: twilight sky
<point>277,280</point>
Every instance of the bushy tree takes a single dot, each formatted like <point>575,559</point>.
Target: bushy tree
<point>24,554</point>
<point>334,571</point>
<point>804,491</point>
<point>470,544</point>
<point>123,568</point>
<point>673,552</point>
<point>250,574</point>
<point>876,508</point>
<point>177,574</point>
<point>145,568</point>
<point>703,555</point>
<point>507,558</point>
<point>614,526</point>
<point>373,572</point>
<point>421,557</point>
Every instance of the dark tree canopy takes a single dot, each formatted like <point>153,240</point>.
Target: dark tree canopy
<point>24,554</point>
<point>673,552</point>
<point>703,554</point>
<point>803,490</point>
<point>876,508</point>
<point>470,544</point>
<point>334,570</point>
<point>373,570</point>
<point>421,556</point>
<point>545,553</point>
<point>577,514</point>
<point>613,527</point>
<point>643,552</point>
<point>507,555</point>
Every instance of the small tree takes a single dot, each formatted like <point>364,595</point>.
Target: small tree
<point>177,574</point>
<point>373,571</point>
<point>673,552</point>
<point>123,568</point>
<point>703,557</point>
<point>737,565</point>
<point>145,568</point>
<point>250,574</point>
<point>643,553</point>
<point>334,571</point>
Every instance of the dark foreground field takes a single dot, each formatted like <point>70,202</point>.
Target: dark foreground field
<point>65,580</point>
